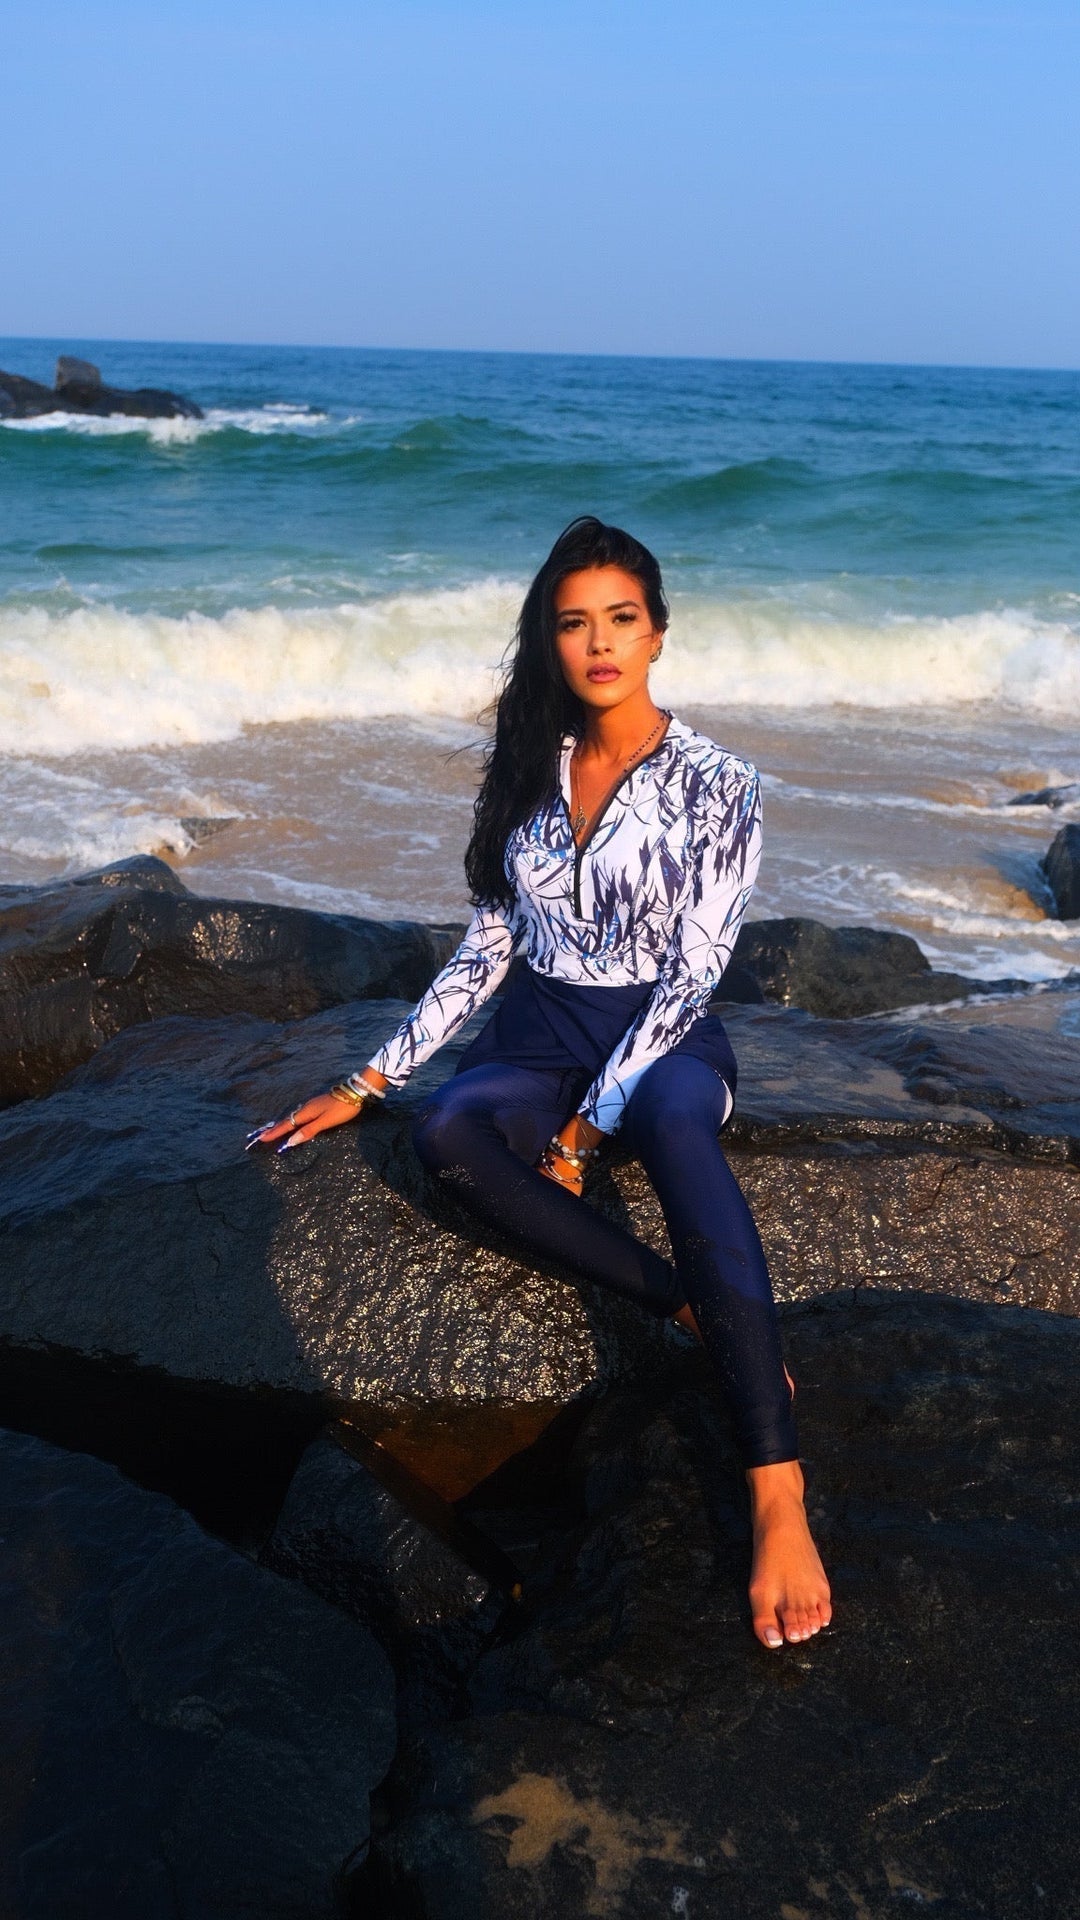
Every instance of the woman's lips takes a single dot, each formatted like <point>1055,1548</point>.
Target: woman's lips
<point>603,673</point>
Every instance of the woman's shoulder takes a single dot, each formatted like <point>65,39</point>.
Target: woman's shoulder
<point>707,761</point>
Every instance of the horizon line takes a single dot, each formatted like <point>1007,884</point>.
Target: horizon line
<point>540,353</point>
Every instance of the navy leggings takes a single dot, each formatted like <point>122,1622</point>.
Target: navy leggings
<point>482,1133</point>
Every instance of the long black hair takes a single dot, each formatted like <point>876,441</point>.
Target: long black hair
<point>536,707</point>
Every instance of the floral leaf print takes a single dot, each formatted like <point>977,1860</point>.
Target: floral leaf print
<point>662,885</point>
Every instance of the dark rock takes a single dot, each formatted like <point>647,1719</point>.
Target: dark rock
<point>841,972</point>
<point>81,959</point>
<point>400,1561</point>
<point>632,1750</point>
<point>72,372</point>
<point>1052,797</point>
<point>79,389</point>
<point>200,827</point>
<point>187,1736</point>
<point>337,1275</point>
<point>1062,869</point>
<point>23,398</point>
<point>139,1243</point>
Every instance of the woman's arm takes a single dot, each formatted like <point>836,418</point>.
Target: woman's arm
<point>725,869</point>
<point>469,977</point>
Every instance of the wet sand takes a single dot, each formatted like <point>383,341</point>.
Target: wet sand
<point>873,820</point>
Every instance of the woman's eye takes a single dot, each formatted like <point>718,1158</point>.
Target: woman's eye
<point>568,625</point>
<point>625,619</point>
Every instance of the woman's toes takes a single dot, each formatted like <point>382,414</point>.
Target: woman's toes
<point>768,1630</point>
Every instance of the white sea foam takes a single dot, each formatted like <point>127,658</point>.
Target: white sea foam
<point>764,654</point>
<point>280,418</point>
<point>101,677</point>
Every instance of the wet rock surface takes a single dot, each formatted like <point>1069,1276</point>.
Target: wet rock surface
<point>1062,869</point>
<point>432,1587</point>
<point>839,972</point>
<point>186,1736</point>
<point>79,388</point>
<point>337,1274</point>
<point>138,1241</point>
<point>85,958</point>
<point>631,1750</point>
<point>619,1745</point>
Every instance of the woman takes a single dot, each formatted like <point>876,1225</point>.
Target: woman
<point>619,848</point>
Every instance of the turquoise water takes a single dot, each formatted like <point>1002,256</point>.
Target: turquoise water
<point>318,473</point>
<point>344,540</point>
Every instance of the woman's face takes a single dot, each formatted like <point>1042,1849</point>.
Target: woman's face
<point>604,635</point>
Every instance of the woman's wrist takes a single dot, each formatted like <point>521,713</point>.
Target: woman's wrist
<point>371,1078</point>
<point>579,1133</point>
<point>358,1088</point>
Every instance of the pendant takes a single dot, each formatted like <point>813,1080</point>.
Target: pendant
<point>578,820</point>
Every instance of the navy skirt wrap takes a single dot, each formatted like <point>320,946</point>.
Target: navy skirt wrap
<point>564,1027</point>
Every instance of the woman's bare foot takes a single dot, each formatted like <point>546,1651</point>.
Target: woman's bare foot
<point>789,1593</point>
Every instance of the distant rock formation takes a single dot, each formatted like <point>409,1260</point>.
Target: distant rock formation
<point>79,388</point>
<point>1052,797</point>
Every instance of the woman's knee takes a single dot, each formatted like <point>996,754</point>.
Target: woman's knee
<point>677,1097</point>
<point>442,1132</point>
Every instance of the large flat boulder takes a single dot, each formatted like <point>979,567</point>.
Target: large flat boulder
<point>83,958</point>
<point>334,1276</point>
<point>632,1750</point>
<point>186,1736</point>
<point>142,1248</point>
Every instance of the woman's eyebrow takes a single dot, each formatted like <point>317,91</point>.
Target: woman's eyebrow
<point>613,608</point>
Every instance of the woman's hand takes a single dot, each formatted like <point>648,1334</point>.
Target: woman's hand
<point>579,1136</point>
<point>326,1110</point>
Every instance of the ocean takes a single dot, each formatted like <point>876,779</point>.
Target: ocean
<point>261,644</point>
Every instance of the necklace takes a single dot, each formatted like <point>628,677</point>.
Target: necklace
<point>579,817</point>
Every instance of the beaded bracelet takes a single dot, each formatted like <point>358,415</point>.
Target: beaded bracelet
<point>547,1165</point>
<point>576,1157</point>
<point>365,1088</point>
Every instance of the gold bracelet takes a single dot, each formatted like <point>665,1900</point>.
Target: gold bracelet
<point>348,1094</point>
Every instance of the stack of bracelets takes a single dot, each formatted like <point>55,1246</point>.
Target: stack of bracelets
<point>576,1157</point>
<point>355,1090</point>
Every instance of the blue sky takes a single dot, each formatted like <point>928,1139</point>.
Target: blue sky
<point>846,180</point>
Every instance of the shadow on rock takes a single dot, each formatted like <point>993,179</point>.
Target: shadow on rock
<point>187,1737</point>
<point>632,1750</point>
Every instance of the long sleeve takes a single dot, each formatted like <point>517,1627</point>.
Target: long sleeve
<point>469,977</point>
<point>722,880</point>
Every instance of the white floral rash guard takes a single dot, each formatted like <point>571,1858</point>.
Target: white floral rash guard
<point>657,893</point>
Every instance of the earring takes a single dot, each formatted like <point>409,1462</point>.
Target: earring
<point>654,657</point>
